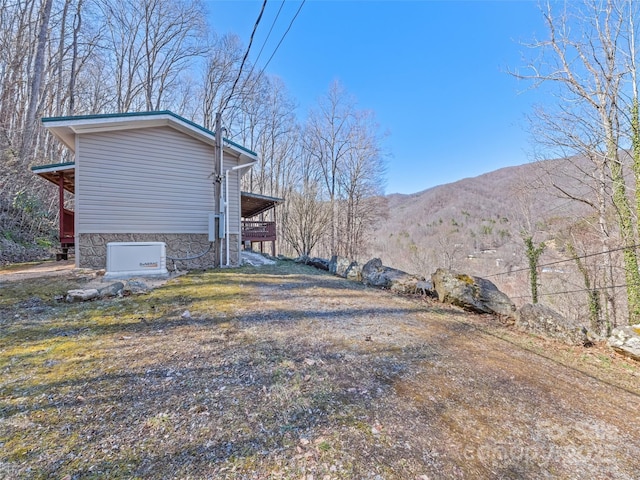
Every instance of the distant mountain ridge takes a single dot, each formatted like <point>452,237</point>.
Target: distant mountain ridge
<point>476,224</point>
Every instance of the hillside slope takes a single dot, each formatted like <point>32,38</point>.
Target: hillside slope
<point>477,224</point>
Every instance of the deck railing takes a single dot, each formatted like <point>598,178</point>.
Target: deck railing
<point>256,231</point>
<point>67,226</point>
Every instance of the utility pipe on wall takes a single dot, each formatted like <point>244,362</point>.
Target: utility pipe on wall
<point>226,202</point>
<point>220,161</point>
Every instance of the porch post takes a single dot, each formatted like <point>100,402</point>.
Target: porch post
<point>275,233</point>
<point>61,203</point>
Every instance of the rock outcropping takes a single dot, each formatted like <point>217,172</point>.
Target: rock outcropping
<point>345,268</point>
<point>542,320</point>
<point>375,274</point>
<point>626,340</point>
<point>474,294</point>
<point>319,263</point>
<point>79,295</point>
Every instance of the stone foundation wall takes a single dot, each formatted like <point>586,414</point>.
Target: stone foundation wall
<point>92,248</point>
<point>234,250</point>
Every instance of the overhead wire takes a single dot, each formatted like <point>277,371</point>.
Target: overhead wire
<point>580,290</point>
<point>262,70</point>
<point>572,259</point>
<point>264,44</point>
<point>283,36</point>
<point>244,59</point>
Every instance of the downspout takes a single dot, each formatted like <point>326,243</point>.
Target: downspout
<point>61,205</point>
<point>226,201</point>
<point>221,199</point>
<point>220,159</point>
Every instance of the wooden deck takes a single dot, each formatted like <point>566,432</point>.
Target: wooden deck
<point>256,231</point>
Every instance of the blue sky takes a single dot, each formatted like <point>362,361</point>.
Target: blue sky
<point>434,73</point>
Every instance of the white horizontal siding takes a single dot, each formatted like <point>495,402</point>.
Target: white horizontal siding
<point>151,180</point>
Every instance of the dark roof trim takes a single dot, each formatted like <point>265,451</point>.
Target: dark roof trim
<point>54,166</point>
<point>145,114</point>
<point>55,171</point>
<point>262,197</point>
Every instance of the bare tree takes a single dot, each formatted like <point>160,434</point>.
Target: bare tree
<point>223,61</point>
<point>343,143</point>
<point>172,38</point>
<point>328,141</point>
<point>304,220</point>
<point>37,78</point>
<point>361,184</point>
<point>151,43</point>
<point>582,59</point>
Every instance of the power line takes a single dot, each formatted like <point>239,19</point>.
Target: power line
<point>255,82</point>
<point>246,54</point>
<point>283,36</point>
<point>526,269</point>
<point>264,44</point>
<point>580,290</point>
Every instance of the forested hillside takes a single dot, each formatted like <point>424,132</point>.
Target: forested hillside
<point>479,226</point>
<point>476,221</point>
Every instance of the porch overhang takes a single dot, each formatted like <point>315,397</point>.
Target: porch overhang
<point>63,175</point>
<point>253,204</point>
<point>53,172</point>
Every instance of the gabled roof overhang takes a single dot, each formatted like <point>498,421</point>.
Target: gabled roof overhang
<point>66,128</point>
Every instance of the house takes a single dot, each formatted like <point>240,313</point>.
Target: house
<point>151,177</point>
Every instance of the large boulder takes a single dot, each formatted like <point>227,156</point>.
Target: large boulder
<point>340,266</point>
<point>372,273</point>
<point>354,272</point>
<point>80,295</point>
<point>319,263</point>
<point>542,320</point>
<point>474,294</point>
<point>375,274</point>
<point>626,340</point>
<point>112,290</point>
<point>345,268</point>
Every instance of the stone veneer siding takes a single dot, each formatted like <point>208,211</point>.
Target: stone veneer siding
<point>234,250</point>
<point>93,248</point>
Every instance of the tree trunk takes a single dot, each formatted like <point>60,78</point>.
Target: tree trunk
<point>36,81</point>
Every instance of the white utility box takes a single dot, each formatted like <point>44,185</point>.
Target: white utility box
<point>132,259</point>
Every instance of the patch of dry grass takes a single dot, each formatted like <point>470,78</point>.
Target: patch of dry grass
<point>284,372</point>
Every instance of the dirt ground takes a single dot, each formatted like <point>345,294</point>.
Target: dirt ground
<point>18,272</point>
<point>65,269</point>
<point>281,371</point>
